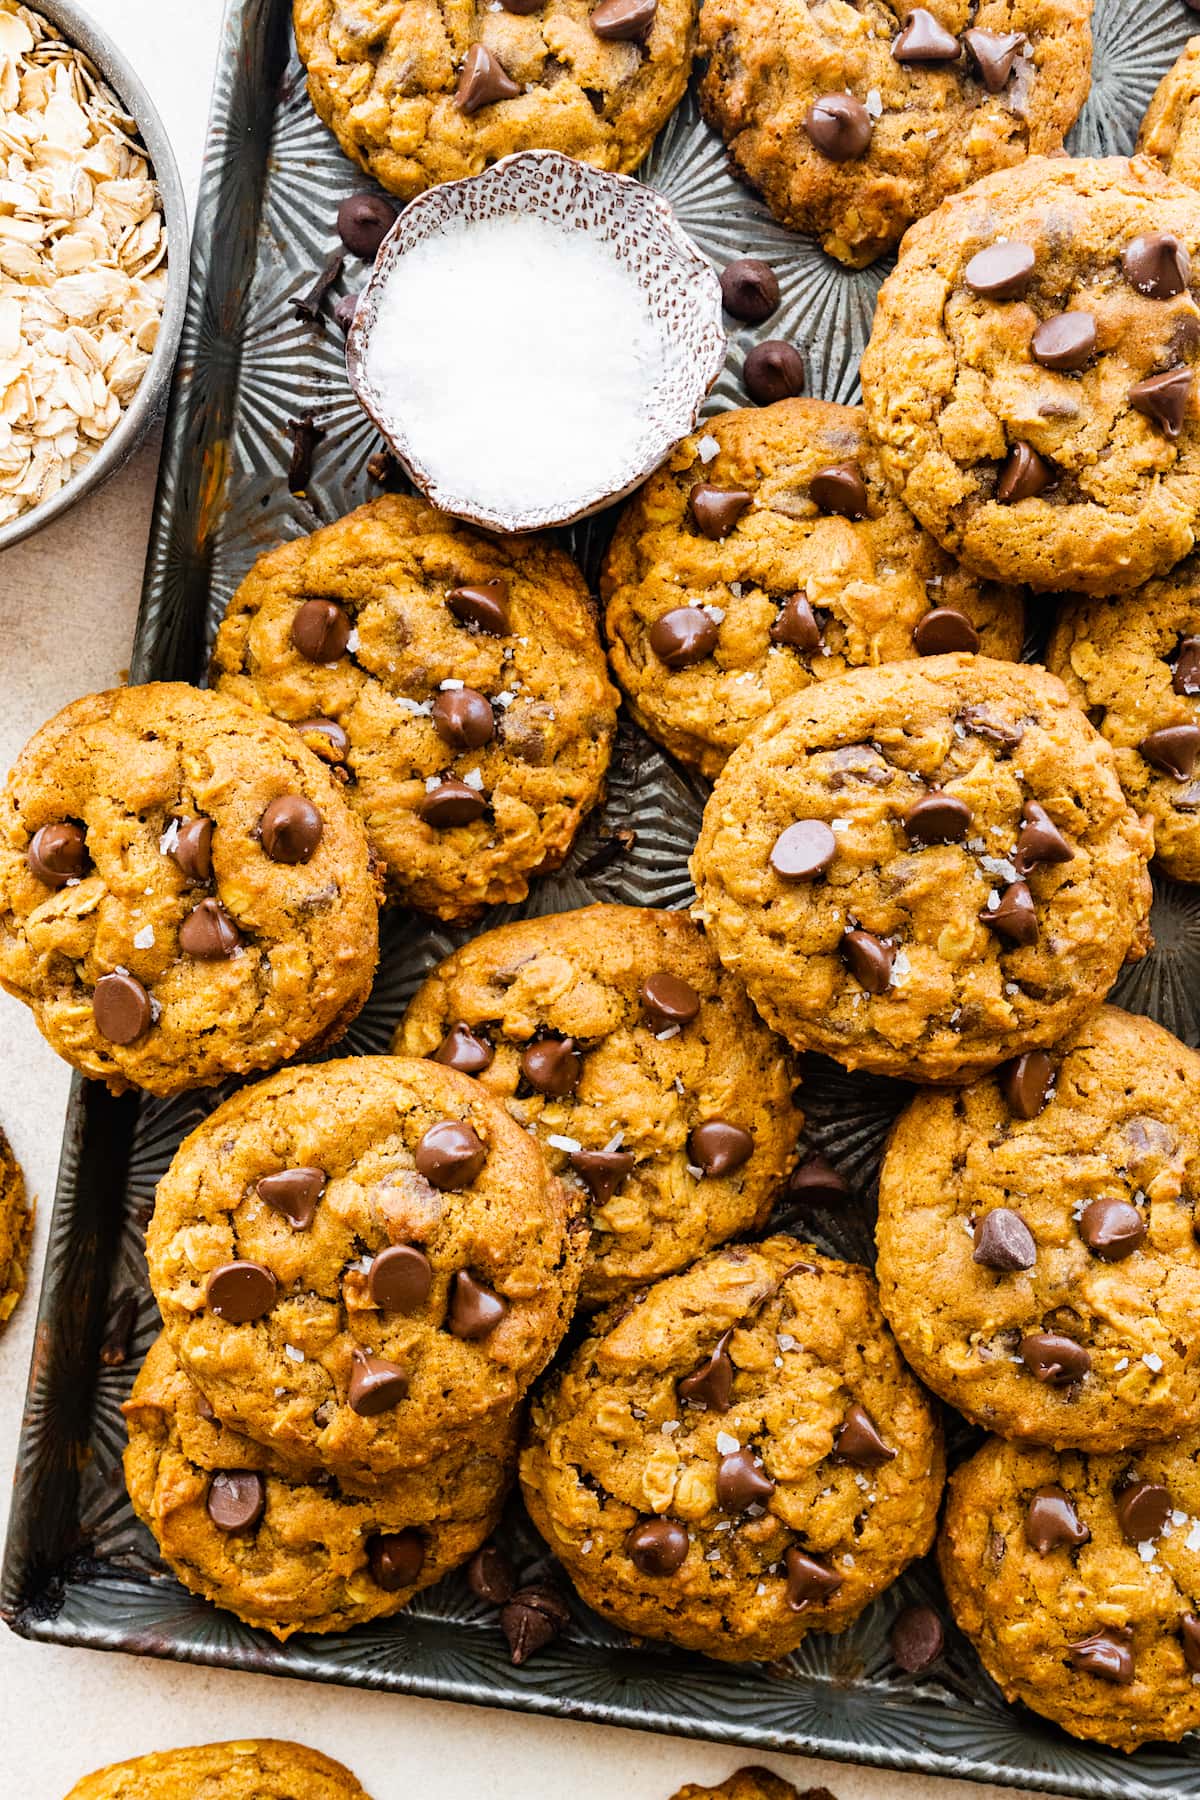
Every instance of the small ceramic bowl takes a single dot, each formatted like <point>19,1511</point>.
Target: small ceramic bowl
<point>618,210</point>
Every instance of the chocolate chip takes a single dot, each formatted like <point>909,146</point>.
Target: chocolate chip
<point>1004,1241</point>
<point>944,630</point>
<point>809,1581</point>
<point>1039,841</point>
<point>993,54</point>
<point>718,1148</point>
<point>1106,1655</point>
<point>1143,1509</point>
<point>484,607</point>
<point>840,490</point>
<point>683,636</point>
<point>916,1639</point>
<point>803,851</point>
<point>451,803</point>
<point>657,1546</point>
<point>937,818</point>
<point>1066,341</point>
<point>923,39</point>
<point>839,127</point>
<point>620,21</point>
<point>118,1335</point>
<point>120,1008</point>
<point>710,1383</point>
<point>490,1576</point>
<point>750,290</point>
<point>209,934</point>
<point>344,309</point>
<point>395,1559</point>
<point>522,9</point>
<point>1051,1520</point>
<point>601,1171</point>
<point>868,959</point>
<point>796,625</point>
<point>237,1499</point>
<point>1164,398</point>
<point>400,1279</point>
<point>717,510</point>
<point>293,1194</point>
<point>773,371</point>
<point>857,1440</point>
<point>192,849</point>
<point>817,1181</point>
<point>450,1155</point>
<point>475,1308</point>
<point>1025,1082</point>
<point>57,854</point>
<point>1053,1358</point>
<point>320,630</point>
<point>1157,265</point>
<point>307,305</point>
<point>376,1385</point>
<point>668,1000</point>
<point>987,725</point>
<point>1173,749</point>
<point>1111,1229</point>
<point>483,81</point>
<point>461,1049</point>
<point>363,221</point>
<point>240,1292</point>
<point>1189,1631</point>
<point>1185,678</point>
<point>531,1620</point>
<point>741,1482</point>
<point>290,829</point>
<point>325,738</point>
<point>553,1066</point>
<point>1001,272</point>
<point>463,719</point>
<point>1023,476</point>
<point>1015,917</point>
<point>306,434</point>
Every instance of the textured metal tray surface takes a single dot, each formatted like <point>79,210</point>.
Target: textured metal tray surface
<point>79,1568</point>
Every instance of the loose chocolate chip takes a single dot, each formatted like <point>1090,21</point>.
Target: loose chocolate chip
<point>1025,1082</point>
<point>325,738</point>
<point>993,53</point>
<point>717,510</point>
<point>460,1049</point>
<point>306,434</point>
<point>531,1620</point>
<point>620,21</point>
<point>1015,917</point>
<point>237,1499</point>
<point>293,1194</point>
<point>120,1008</point>
<point>857,1440</point>
<point>868,959</point>
<point>1004,1241</point>
<point>796,625</point>
<point>840,490</point>
<point>118,1335</point>
<point>803,851</point>
<point>923,39</point>
<point>938,818</point>
<point>1039,840</point>
<point>344,309</point>
<point>483,81</point>
<point>451,803</point>
<point>741,1483</point>
<point>290,829</point>
<point>490,1576</point>
<point>668,1000</point>
<point>485,607</point>
<point>809,1581</point>
<point>718,1148</point>
<point>1189,1631</point>
<point>917,1639</point>
<point>553,1066</point>
<point>817,1181</point>
<point>1143,1509</point>
<point>400,1279</point>
<point>1111,1229</point>
<point>1105,1655</point>
<point>1066,341</point>
<point>773,371</point>
<point>209,934</point>
<point>240,1292</point>
<point>601,1171</point>
<point>1164,398</point>
<point>839,127</point>
<point>1173,749</point>
<point>944,630</point>
<point>750,290</point>
<point>683,636</point>
<point>307,305</point>
<point>376,1385</point>
<point>463,719</point>
<point>363,221</point>
<point>450,1155</point>
<point>1157,265</point>
<point>1001,272</point>
<point>395,1559</point>
<point>1024,475</point>
<point>475,1309</point>
<point>320,630</point>
<point>57,854</point>
<point>1053,1358</point>
<point>1186,676</point>
<point>192,849</point>
<point>1051,1520</point>
<point>710,1383</point>
<point>657,1546</point>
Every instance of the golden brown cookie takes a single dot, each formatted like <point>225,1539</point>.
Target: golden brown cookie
<point>184,893</point>
<point>615,1036</point>
<point>1170,133</point>
<point>738,1456</point>
<point>751,1783</point>
<point>290,1549</point>
<point>1030,374</point>
<point>1134,668</point>
<point>823,570</point>
<point>1077,1578</point>
<point>358,1263</point>
<point>852,122</point>
<point>1037,1257</point>
<point>419,95</point>
<point>16,1230</point>
<point>454,682</point>
<point>247,1769</point>
<point>924,868</point>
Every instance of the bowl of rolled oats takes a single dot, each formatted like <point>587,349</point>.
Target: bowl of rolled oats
<point>93,261</point>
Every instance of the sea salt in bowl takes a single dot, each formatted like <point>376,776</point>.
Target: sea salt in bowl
<point>536,340</point>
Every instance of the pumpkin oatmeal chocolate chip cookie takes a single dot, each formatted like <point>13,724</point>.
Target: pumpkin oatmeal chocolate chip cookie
<point>738,1456</point>
<point>1077,1579</point>
<point>924,868</point>
<point>420,95</point>
<point>16,1231</point>
<point>1170,133</point>
<point>247,1769</point>
<point>853,121</point>
<point>184,893</point>
<point>768,554</point>
<point>360,1262</point>
<point>1134,668</point>
<point>1037,1252</point>
<point>294,1550</point>
<point>1031,371</point>
<point>615,1035</point>
<point>455,683</point>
